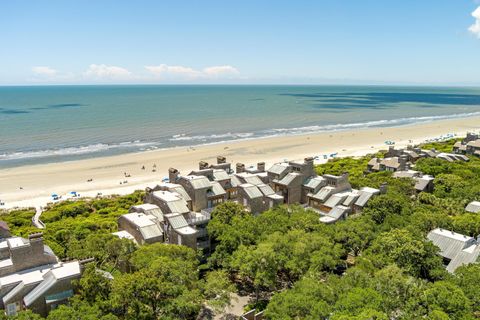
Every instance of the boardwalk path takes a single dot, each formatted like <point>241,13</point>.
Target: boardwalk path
<point>36,218</point>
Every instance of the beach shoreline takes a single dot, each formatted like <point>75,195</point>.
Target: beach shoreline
<point>32,185</point>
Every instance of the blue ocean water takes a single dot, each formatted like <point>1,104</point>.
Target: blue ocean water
<point>41,124</point>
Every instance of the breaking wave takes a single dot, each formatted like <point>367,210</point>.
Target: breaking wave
<point>72,151</point>
<point>185,139</point>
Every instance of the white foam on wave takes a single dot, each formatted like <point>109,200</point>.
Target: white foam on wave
<point>71,151</point>
<point>368,124</point>
<point>228,135</point>
<point>220,138</point>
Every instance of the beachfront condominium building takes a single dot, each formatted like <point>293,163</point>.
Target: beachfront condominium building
<point>179,211</point>
<point>180,224</point>
<point>201,187</point>
<point>469,145</point>
<point>32,277</point>
<point>388,164</point>
<point>334,198</point>
<point>141,227</point>
<point>423,182</point>
<point>288,179</point>
<point>403,159</point>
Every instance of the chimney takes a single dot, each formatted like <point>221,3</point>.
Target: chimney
<point>403,162</point>
<point>345,175</point>
<point>383,188</point>
<point>35,235</point>
<point>36,242</point>
<point>308,160</point>
<point>86,260</point>
<point>173,175</point>
<point>261,166</point>
<point>221,160</point>
<point>240,168</point>
<point>202,165</point>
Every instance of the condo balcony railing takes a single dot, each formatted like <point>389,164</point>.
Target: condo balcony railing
<point>199,217</point>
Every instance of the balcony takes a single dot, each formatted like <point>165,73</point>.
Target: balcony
<point>196,218</point>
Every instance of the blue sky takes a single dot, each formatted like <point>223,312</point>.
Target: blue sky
<point>287,42</point>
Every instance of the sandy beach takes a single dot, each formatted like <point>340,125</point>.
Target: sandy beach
<point>33,185</point>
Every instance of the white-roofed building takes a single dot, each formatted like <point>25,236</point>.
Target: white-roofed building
<point>468,145</point>
<point>55,287</point>
<point>32,276</point>
<point>169,202</point>
<point>455,248</point>
<point>251,197</point>
<point>423,183</point>
<point>278,171</point>
<point>169,187</point>
<point>203,192</point>
<point>18,254</point>
<point>144,228</point>
<point>473,207</point>
<point>178,231</point>
<point>246,177</point>
<point>330,186</point>
<point>336,213</point>
<point>288,180</point>
<point>225,180</point>
<point>148,209</point>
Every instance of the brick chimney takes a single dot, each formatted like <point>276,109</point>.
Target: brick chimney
<point>261,166</point>
<point>308,168</point>
<point>221,160</point>
<point>202,165</point>
<point>240,168</point>
<point>173,175</point>
<point>403,159</point>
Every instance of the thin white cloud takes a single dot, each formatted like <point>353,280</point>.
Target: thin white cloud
<point>475,28</point>
<point>166,70</point>
<point>44,71</point>
<point>186,73</point>
<point>220,70</point>
<point>102,71</point>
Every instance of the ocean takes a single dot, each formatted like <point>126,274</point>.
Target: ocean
<point>41,124</point>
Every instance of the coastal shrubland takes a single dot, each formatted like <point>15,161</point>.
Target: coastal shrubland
<point>374,265</point>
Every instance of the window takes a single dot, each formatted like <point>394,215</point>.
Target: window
<point>60,296</point>
<point>12,308</point>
